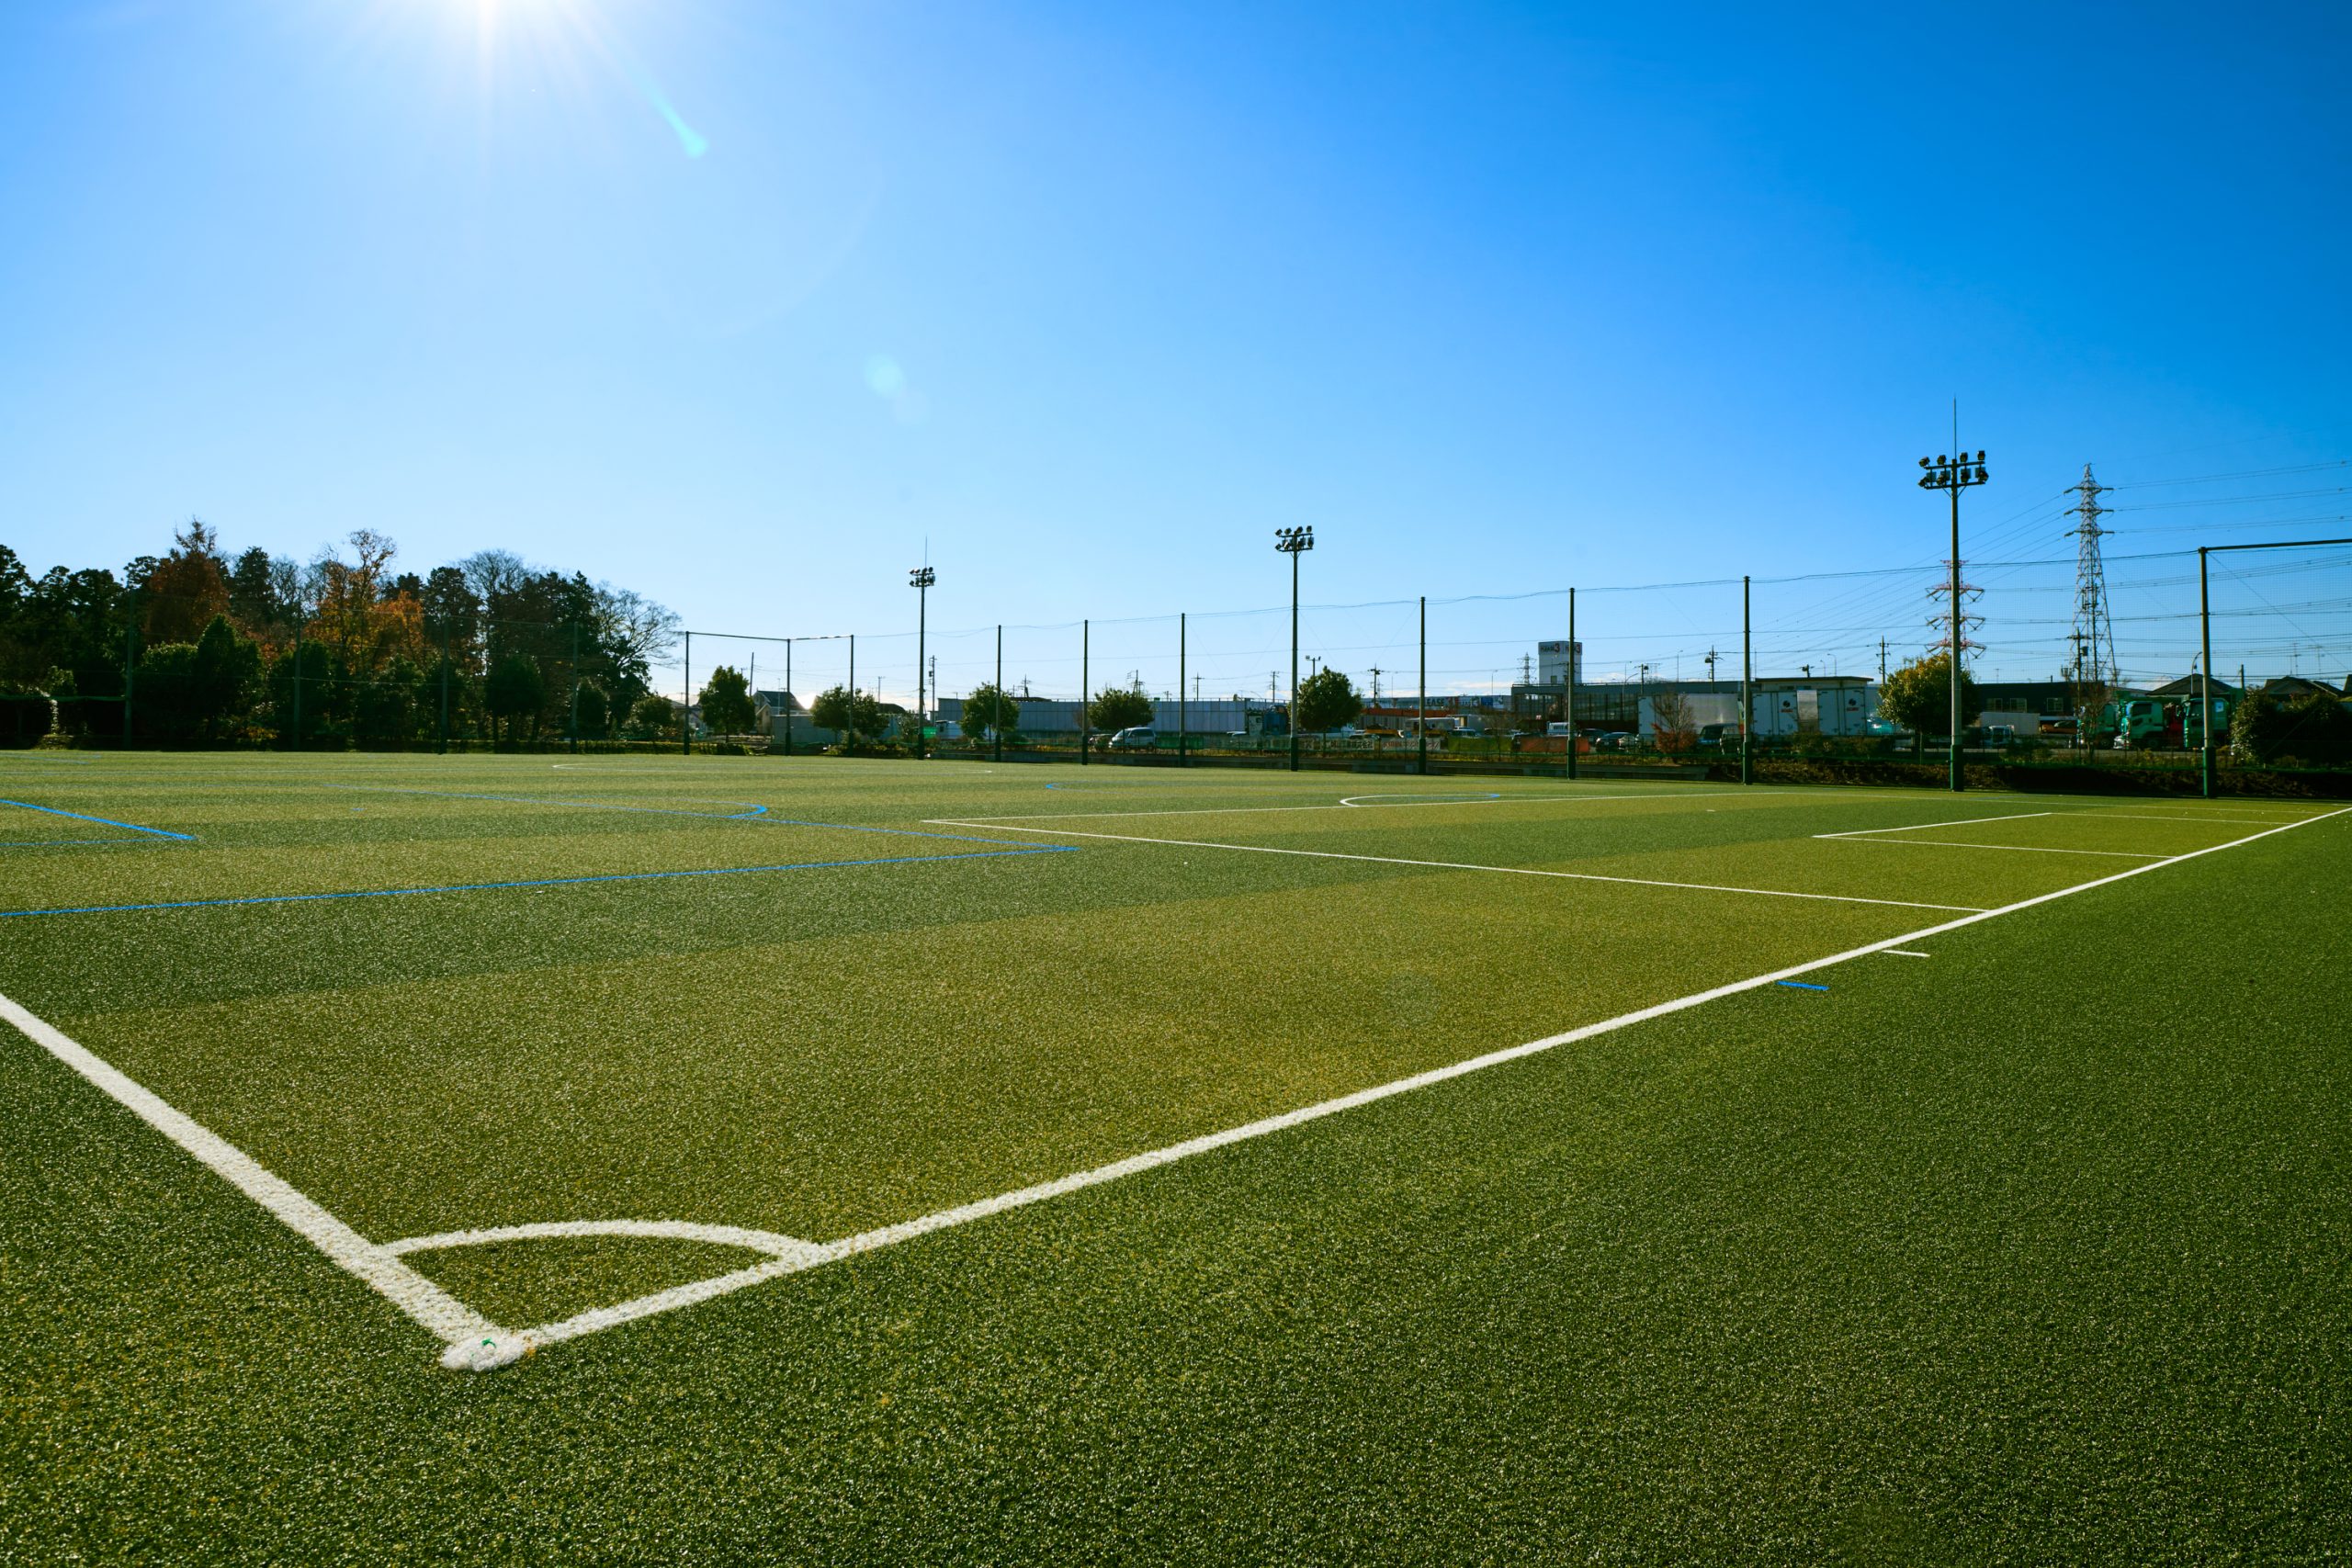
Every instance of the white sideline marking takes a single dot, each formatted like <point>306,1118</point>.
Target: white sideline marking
<point>1344,804</point>
<point>2012,848</point>
<point>1466,866</point>
<point>521,1344</point>
<point>769,1242</point>
<point>1923,827</point>
<point>1906,952</point>
<point>446,1316</point>
<point>2209,818</point>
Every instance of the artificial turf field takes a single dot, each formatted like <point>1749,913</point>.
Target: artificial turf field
<point>881,1161</point>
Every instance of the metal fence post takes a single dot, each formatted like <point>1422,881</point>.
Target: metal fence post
<point>1747,675</point>
<point>1568,696</point>
<point>1421,699</point>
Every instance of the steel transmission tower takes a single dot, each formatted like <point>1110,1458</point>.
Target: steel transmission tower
<point>2094,633</point>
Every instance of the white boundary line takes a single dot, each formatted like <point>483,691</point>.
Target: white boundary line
<point>446,1316</point>
<point>474,1342</point>
<point>1923,827</point>
<point>2008,849</point>
<point>1348,804</point>
<point>510,1348</point>
<point>1466,866</point>
<point>770,1242</point>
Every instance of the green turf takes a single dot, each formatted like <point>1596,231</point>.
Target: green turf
<point>2031,1249</point>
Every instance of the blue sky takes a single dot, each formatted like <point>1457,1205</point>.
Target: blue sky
<point>746,304</point>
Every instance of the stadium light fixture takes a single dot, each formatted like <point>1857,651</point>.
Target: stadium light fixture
<point>1293,543</point>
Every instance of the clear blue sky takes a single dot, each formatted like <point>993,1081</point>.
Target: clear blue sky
<point>739,303</point>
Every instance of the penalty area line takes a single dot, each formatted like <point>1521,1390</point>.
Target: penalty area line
<point>510,1348</point>
<point>1499,870</point>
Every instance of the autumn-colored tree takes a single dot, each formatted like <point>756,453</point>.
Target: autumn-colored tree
<point>186,587</point>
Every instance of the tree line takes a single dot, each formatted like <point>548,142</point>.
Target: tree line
<point>195,647</point>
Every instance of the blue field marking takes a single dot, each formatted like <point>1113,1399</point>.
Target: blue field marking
<point>1800,985</point>
<point>541,882</point>
<point>57,843</point>
<point>582,804</point>
<point>102,821</point>
<point>758,812</point>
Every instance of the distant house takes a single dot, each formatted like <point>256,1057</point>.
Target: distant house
<point>2292,688</point>
<point>2188,687</point>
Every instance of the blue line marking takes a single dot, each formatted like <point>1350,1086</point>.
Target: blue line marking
<point>102,821</point>
<point>541,882</point>
<point>1800,985</point>
<point>582,804</point>
<point>756,811</point>
<point>54,843</point>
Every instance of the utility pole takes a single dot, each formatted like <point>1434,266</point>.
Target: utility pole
<point>1375,684</point>
<point>686,702</point>
<point>1085,720</point>
<point>919,580</point>
<point>1882,662</point>
<point>1568,684</point>
<point>996,718</point>
<point>1293,543</point>
<point>1955,474</point>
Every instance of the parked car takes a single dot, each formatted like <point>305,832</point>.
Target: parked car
<point>1138,738</point>
<point>1881,728</point>
<point>1718,735</point>
<point>2001,734</point>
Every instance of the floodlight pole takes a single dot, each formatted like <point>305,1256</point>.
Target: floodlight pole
<point>850,742</point>
<point>1293,543</point>
<point>1954,474</point>
<point>686,701</point>
<point>1085,720</point>
<point>1747,675</point>
<point>919,580</point>
<point>996,708</point>
<point>1568,682</point>
<point>1421,700</point>
<point>788,698</point>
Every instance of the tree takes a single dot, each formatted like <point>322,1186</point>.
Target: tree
<point>253,602</point>
<point>848,714</point>
<point>990,711</point>
<point>595,711</point>
<point>1670,723</point>
<point>1114,709</point>
<point>2314,729</point>
<point>727,704</point>
<point>515,690</point>
<point>187,588</point>
<point>652,718</point>
<point>1918,695</point>
<point>1328,700</point>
